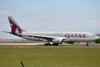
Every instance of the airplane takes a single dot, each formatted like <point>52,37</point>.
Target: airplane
<point>55,37</point>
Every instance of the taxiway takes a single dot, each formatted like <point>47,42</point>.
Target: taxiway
<point>39,44</point>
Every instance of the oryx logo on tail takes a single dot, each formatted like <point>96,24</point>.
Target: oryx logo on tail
<point>15,29</point>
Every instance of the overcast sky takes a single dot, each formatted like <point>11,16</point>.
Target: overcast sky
<point>51,15</point>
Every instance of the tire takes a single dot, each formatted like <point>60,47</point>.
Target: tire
<point>47,44</point>
<point>54,44</point>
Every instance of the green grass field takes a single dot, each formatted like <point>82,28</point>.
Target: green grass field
<point>39,56</point>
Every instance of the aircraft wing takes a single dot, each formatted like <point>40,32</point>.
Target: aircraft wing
<point>49,38</point>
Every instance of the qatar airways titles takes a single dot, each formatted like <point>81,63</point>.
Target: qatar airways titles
<point>75,35</point>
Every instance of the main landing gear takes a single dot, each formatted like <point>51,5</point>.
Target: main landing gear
<point>54,44</point>
<point>49,44</point>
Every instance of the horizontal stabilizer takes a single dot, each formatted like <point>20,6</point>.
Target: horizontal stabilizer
<point>6,32</point>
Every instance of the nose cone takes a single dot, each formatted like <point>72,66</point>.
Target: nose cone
<point>97,37</point>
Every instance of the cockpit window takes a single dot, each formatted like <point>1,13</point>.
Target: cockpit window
<point>93,35</point>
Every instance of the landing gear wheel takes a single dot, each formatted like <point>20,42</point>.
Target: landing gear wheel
<point>54,44</point>
<point>47,44</point>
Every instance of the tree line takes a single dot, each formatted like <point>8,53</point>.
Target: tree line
<point>97,41</point>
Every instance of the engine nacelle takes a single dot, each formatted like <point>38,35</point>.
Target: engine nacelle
<point>58,41</point>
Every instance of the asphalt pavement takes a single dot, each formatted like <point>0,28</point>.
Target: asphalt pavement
<point>39,44</point>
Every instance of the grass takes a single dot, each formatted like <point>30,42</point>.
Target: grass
<point>39,56</point>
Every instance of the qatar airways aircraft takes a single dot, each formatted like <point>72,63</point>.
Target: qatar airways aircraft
<point>54,37</point>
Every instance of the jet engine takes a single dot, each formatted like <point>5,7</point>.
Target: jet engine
<point>58,41</point>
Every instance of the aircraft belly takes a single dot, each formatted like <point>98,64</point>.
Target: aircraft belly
<point>81,39</point>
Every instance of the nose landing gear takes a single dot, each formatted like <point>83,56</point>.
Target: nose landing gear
<point>87,44</point>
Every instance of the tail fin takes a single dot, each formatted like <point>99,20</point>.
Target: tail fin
<point>15,28</point>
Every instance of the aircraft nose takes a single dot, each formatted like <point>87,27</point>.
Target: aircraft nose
<point>97,37</point>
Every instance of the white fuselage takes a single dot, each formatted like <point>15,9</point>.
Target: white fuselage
<point>67,36</point>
